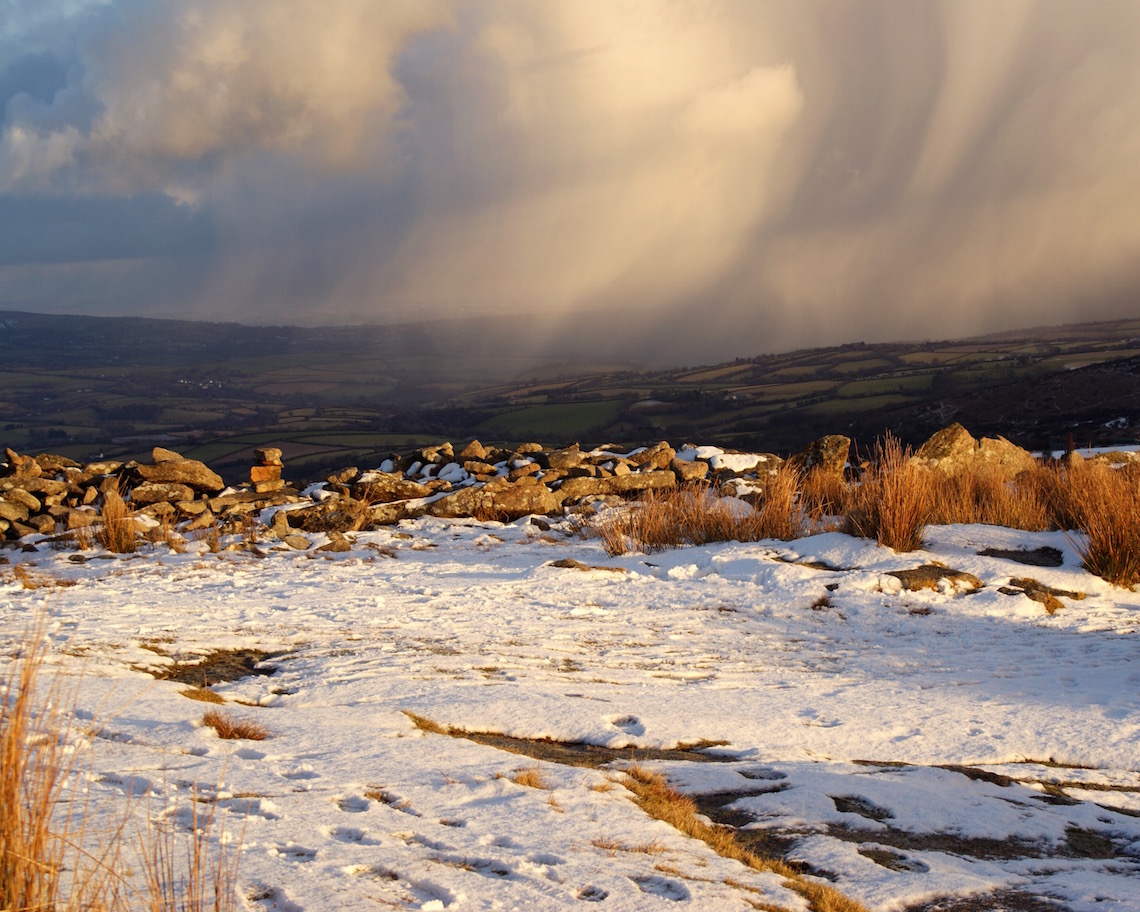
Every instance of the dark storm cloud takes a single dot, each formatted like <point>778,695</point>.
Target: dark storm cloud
<point>50,229</point>
<point>793,173</point>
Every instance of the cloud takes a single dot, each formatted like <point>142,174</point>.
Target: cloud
<point>180,86</point>
<point>794,173</point>
<point>605,148</point>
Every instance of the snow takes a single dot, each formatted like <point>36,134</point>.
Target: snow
<point>863,727</point>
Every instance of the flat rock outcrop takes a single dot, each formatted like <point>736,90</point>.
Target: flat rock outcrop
<point>954,449</point>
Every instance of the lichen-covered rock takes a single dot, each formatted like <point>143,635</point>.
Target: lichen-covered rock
<point>473,451</point>
<point>13,512</point>
<point>689,470</point>
<point>335,515</point>
<point>568,458</point>
<point>952,445</point>
<point>152,492</point>
<point>385,487</point>
<point>391,513</point>
<point>268,456</point>
<point>22,466</point>
<point>191,472</point>
<point>499,499</point>
<point>33,484</point>
<point>954,449</point>
<point>658,456</point>
<point>1008,458</point>
<point>25,498</point>
<point>828,455</point>
<point>574,489</point>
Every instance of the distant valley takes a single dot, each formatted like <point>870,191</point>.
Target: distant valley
<point>337,396</point>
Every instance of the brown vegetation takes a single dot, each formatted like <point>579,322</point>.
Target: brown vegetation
<point>892,503</point>
<point>49,861</point>
<point>117,532</point>
<point>202,695</point>
<point>1104,504</point>
<point>37,844</point>
<point>530,776</point>
<point>698,515</point>
<point>232,728</point>
<point>983,495</point>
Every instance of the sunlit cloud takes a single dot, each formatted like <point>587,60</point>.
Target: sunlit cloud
<point>805,172</point>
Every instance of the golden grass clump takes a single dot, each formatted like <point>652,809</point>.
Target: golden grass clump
<point>892,503</point>
<point>823,494</point>
<point>612,846</point>
<point>31,580</point>
<point>49,861</point>
<point>698,515</point>
<point>530,776</point>
<point>41,867</point>
<point>117,532</point>
<point>202,695</point>
<point>983,495</point>
<point>779,514</point>
<point>1104,504</point>
<point>232,728</point>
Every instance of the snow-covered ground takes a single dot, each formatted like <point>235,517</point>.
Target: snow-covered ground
<point>841,722</point>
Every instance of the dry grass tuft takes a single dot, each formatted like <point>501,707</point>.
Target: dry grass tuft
<point>117,532</point>
<point>530,776</point>
<point>662,802</point>
<point>780,515</point>
<point>211,535</point>
<point>202,694</point>
<point>698,515</point>
<point>37,845</point>
<point>822,495</point>
<point>427,725</point>
<point>983,495</point>
<point>31,580</point>
<point>613,846</point>
<point>47,861</point>
<point>1104,503</point>
<point>232,728</point>
<point>893,502</point>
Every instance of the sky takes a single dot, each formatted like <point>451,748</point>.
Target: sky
<point>736,176</point>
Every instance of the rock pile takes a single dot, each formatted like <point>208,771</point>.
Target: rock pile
<point>265,474</point>
<point>48,495</point>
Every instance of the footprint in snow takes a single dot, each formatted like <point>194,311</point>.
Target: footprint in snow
<point>353,804</point>
<point>300,772</point>
<point>487,867</point>
<point>591,894</point>
<point>131,786</point>
<point>251,807</point>
<point>631,725</point>
<point>350,835</point>
<point>544,858</point>
<point>294,852</point>
<point>248,753</point>
<point>271,898</point>
<point>663,887</point>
